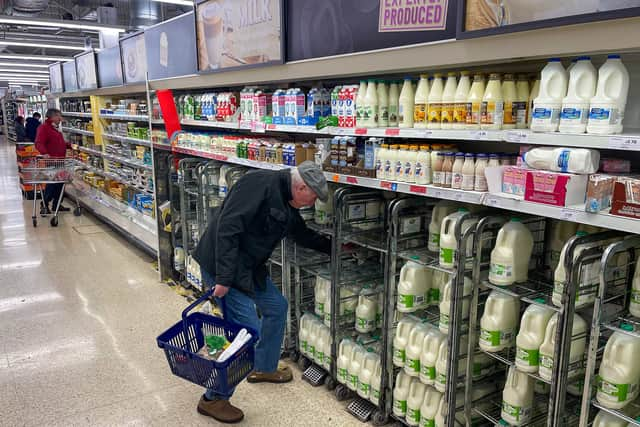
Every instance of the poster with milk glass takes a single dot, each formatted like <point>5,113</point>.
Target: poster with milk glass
<point>134,58</point>
<point>238,33</point>
<point>55,78</point>
<point>520,15</point>
<point>86,71</point>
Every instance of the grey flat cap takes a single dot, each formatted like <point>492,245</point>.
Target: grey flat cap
<point>313,176</point>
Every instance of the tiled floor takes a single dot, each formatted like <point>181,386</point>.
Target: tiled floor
<point>79,313</point>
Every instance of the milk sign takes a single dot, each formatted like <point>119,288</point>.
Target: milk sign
<point>412,15</point>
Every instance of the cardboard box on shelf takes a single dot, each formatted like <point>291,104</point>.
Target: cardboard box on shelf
<point>626,198</point>
<point>554,188</point>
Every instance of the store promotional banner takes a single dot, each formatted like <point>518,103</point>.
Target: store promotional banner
<point>134,59</point>
<point>86,70</point>
<point>171,48</point>
<point>55,78</point>
<point>69,76</point>
<point>238,33</point>
<point>335,27</point>
<point>110,67</point>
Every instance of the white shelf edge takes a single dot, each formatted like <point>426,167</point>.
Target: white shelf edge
<point>133,118</point>
<point>75,114</point>
<point>78,131</point>
<point>127,139</point>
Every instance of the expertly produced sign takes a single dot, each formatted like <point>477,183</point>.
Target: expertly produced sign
<point>412,15</point>
<point>238,33</point>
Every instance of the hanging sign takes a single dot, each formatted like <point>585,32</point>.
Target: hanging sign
<point>412,15</point>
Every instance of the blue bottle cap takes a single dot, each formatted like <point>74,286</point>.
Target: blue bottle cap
<point>469,155</point>
<point>481,155</point>
<point>554,60</point>
<point>493,155</point>
<point>614,56</point>
<point>459,154</point>
<point>584,58</point>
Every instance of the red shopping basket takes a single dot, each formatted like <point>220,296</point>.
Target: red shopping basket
<point>182,341</point>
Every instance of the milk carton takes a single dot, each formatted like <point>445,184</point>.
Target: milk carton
<point>335,101</point>
<point>262,104</point>
<point>318,105</point>
<point>294,106</point>
<point>278,106</point>
<point>350,107</point>
<point>531,335</point>
<point>619,375</point>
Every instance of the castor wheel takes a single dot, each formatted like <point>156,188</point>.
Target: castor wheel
<point>77,211</point>
<point>342,392</point>
<point>379,418</point>
<point>304,363</point>
<point>35,222</point>
<point>54,221</point>
<point>294,356</point>
<point>330,383</point>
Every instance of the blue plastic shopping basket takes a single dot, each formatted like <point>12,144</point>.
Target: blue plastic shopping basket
<point>182,341</point>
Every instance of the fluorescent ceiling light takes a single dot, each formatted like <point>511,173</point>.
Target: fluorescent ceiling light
<point>12,70</point>
<point>79,25</point>
<point>34,57</point>
<point>179,2</point>
<point>40,45</point>
<point>18,78</point>
<point>18,64</point>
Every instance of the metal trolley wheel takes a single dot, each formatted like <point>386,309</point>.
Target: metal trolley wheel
<point>54,221</point>
<point>379,418</point>
<point>304,363</point>
<point>342,392</point>
<point>330,383</point>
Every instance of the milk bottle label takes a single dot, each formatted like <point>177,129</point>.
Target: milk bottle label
<point>327,359</point>
<point>407,172</point>
<point>467,182</point>
<point>353,380</point>
<point>434,296</point>
<point>402,113</point>
<point>496,338</point>
<point>439,177</point>
<point>519,112</point>
<point>574,115</point>
<point>434,238</point>
<point>419,113</point>
<point>413,415</point>
<point>375,393</point>
<point>546,361</point>
<point>480,183</point>
<point>303,346</point>
<point>342,375</point>
<point>428,372</point>
<point>400,406</point>
<point>366,324</point>
<point>393,114</point>
<point>457,180</point>
<point>410,301</point>
<point>529,357</point>
<point>501,271</point>
<point>413,365</point>
<point>427,422</point>
<point>460,112</point>
<point>518,413</point>
<point>319,308</point>
<point>399,354</point>
<point>365,388</point>
<point>446,255</point>
<point>480,370</point>
<point>383,113</point>
<point>435,112</point>
<point>635,296</point>
<point>441,378</point>
<point>312,350</point>
<point>611,116</point>
<point>510,113</point>
<point>446,114</point>
<point>320,356</point>
<point>491,112</point>
<point>543,115</point>
<point>474,111</point>
<point>620,391</point>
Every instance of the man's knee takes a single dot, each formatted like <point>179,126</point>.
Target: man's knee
<point>281,306</point>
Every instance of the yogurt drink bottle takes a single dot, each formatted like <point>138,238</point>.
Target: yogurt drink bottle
<point>376,383</point>
<point>414,349</point>
<point>355,364</point>
<point>403,158</point>
<point>413,287</point>
<point>609,103</point>
<point>382,157</point>
<point>522,97</point>
<point>401,339</point>
<point>370,113</point>
<point>492,108</point>
<point>429,408</point>
<point>535,91</point>
<point>619,374</point>
<point>383,104</point>
<point>548,103</point>
<point>468,172</point>
<point>529,339</point>
<point>517,398</point>
<point>460,101</point>
<point>406,104</point>
<point>499,322</point>
<point>445,305</point>
<point>434,103</point>
<point>634,301</point>
<point>510,98</point>
<point>479,178</point>
<point>576,354</point>
<point>582,88</point>
<point>394,98</point>
<point>448,101</point>
<point>371,360</point>
<point>410,164</point>
<point>474,102</point>
<point>511,254</point>
<point>414,402</point>
<point>390,162</point>
<point>420,103</point>
<point>423,166</point>
<point>429,356</point>
<point>360,101</point>
<point>440,211</point>
<point>437,163</point>
<point>344,358</point>
<point>401,394</point>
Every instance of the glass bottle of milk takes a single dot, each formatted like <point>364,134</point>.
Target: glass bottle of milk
<point>434,103</point>
<point>362,92</point>
<point>492,109</point>
<point>448,100</point>
<point>394,95</point>
<point>406,104</point>
<point>420,102</point>
<point>383,104</point>
<point>370,114</point>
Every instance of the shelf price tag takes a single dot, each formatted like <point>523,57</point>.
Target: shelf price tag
<point>361,131</point>
<point>568,214</point>
<point>419,189</point>
<point>457,196</point>
<point>624,142</point>
<point>336,178</point>
<point>494,202</point>
<point>388,185</point>
<point>480,134</point>
<point>437,193</point>
<point>516,136</point>
<point>427,133</point>
<point>392,131</point>
<point>352,180</point>
<point>271,126</point>
<point>258,127</point>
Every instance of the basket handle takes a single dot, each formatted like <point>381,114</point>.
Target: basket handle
<point>196,303</point>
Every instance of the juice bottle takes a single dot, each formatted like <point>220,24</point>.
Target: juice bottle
<point>511,254</point>
<point>479,179</point>
<point>468,172</point>
<point>460,101</point>
<point>440,211</point>
<point>345,351</point>
<point>610,100</point>
<point>401,394</point>
<point>406,104</point>
<point>405,325</point>
<point>429,356</point>
<point>522,97</point>
<point>420,102</point>
<point>474,102</point>
<point>456,170</point>
<point>492,108</point>
<point>447,169</point>
<point>414,402</point>
<point>548,103</point>
<point>434,103</point>
<point>413,287</point>
<point>529,339</point>
<point>437,169</point>
<point>394,97</point>
<point>414,348</point>
<point>423,166</point>
<point>383,104</point>
<point>371,360</point>
<point>619,374</point>
<point>499,322</point>
<point>576,354</point>
<point>535,90</point>
<point>360,101</point>
<point>370,113</point>
<point>517,398</point>
<point>429,408</point>
<point>448,101</point>
<point>445,306</point>
<point>510,97</point>
<point>582,88</point>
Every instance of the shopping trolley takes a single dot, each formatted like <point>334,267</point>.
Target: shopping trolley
<point>41,171</point>
<point>182,341</point>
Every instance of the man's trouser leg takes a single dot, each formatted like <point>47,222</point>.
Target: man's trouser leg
<point>52,193</point>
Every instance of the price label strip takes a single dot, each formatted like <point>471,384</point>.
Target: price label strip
<point>625,142</point>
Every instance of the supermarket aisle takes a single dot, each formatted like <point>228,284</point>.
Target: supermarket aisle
<point>79,313</point>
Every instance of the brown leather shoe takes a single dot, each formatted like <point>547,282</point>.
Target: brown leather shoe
<point>282,375</point>
<point>221,410</point>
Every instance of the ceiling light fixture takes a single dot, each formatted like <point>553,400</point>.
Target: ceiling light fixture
<point>35,57</point>
<point>39,45</point>
<point>76,25</point>
<point>18,64</point>
<point>22,78</point>
<point>178,2</point>
<point>25,72</point>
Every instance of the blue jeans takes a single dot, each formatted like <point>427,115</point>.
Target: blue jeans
<point>241,308</point>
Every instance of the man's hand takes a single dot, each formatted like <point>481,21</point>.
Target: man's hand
<point>219,291</point>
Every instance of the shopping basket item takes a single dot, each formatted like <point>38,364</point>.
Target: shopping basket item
<point>182,341</point>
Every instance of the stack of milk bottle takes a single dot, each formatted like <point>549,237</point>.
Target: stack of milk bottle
<point>437,164</point>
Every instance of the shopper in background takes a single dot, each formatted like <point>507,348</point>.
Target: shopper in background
<point>51,143</point>
<point>259,211</point>
<point>21,132</point>
<point>32,126</point>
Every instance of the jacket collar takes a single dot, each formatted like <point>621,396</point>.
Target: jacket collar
<point>285,184</point>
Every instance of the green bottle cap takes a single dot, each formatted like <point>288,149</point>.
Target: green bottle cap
<point>463,210</point>
<point>581,233</point>
<point>503,423</point>
<point>540,300</point>
<point>626,327</point>
<point>515,219</point>
<point>415,257</point>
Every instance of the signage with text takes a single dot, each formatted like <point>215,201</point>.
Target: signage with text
<point>412,15</point>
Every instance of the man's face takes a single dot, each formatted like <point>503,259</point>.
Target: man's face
<point>56,119</point>
<point>303,196</point>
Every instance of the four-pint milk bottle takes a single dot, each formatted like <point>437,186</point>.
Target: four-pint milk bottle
<point>499,322</point>
<point>582,87</point>
<point>517,397</point>
<point>511,254</point>
<point>619,375</point>
<point>414,402</point>
<point>548,104</point>
<point>576,354</point>
<point>529,339</point>
<point>405,325</point>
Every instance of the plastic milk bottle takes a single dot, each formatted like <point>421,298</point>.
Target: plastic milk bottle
<point>394,99</point>
<point>548,104</point>
<point>499,322</point>
<point>406,104</point>
<point>448,101</point>
<point>511,254</point>
<point>535,90</point>
<point>371,360</point>
<point>561,231</point>
<point>370,114</point>
<point>344,358</point>
<point>303,333</point>
<point>376,383</point>
<point>440,211</point>
<point>420,103</point>
<point>460,101</point>
<point>533,326</point>
<point>474,102</point>
<point>522,98</point>
<point>383,104</point>
<point>360,101</point>
<point>355,364</point>
<point>517,397</point>
<point>492,108</point>
<point>401,394</point>
<point>413,287</point>
<point>434,103</point>
<point>576,354</point>
<point>429,408</point>
<point>582,88</point>
<point>423,166</point>
<point>589,278</point>
<point>634,301</point>
<point>414,402</point>
<point>430,349</point>
<point>405,325</point>
<point>619,373</point>
<point>445,305</point>
<point>414,349</point>
<point>605,419</point>
<point>322,289</point>
<point>448,241</point>
<point>608,105</point>
<point>510,98</point>
<point>366,311</point>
